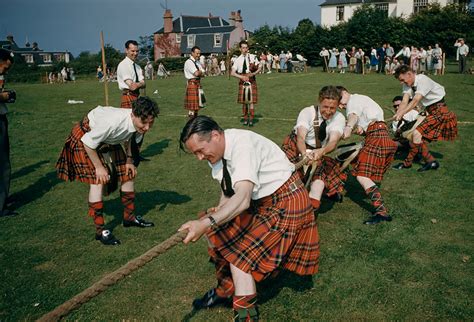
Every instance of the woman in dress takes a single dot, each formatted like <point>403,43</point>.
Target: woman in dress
<point>333,60</point>
<point>343,61</point>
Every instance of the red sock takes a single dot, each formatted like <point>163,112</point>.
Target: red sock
<point>244,111</point>
<point>128,202</point>
<point>96,212</point>
<point>414,149</point>
<point>316,203</point>
<point>377,200</point>
<point>252,114</point>
<point>425,153</point>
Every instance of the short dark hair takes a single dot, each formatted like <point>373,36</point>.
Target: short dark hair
<point>243,42</point>
<point>341,89</point>
<point>6,55</point>
<point>194,48</point>
<point>397,98</point>
<point>133,42</point>
<point>201,125</point>
<point>402,69</point>
<point>144,107</point>
<point>329,92</point>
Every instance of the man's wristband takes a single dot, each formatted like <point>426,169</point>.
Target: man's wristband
<point>213,222</point>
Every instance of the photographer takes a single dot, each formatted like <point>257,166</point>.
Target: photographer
<point>6,96</point>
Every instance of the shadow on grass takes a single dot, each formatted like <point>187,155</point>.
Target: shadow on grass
<point>36,190</point>
<point>144,203</point>
<point>28,169</point>
<point>356,193</point>
<point>402,153</point>
<point>269,288</point>
<point>156,148</point>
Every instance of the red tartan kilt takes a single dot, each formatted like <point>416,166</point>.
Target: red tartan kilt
<point>440,124</point>
<point>191,100</point>
<point>377,154</point>
<point>328,171</point>
<point>128,98</point>
<point>252,81</point>
<point>279,232</point>
<point>74,162</point>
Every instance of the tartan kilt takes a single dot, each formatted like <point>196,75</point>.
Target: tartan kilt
<point>253,83</point>
<point>377,154</point>
<point>278,231</point>
<point>191,100</point>
<point>440,124</point>
<point>128,97</point>
<point>74,162</point>
<point>327,171</point>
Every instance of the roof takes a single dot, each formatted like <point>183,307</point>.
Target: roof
<point>210,30</point>
<point>183,23</point>
<point>205,41</point>
<point>342,2</point>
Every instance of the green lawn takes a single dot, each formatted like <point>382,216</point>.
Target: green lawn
<point>418,267</point>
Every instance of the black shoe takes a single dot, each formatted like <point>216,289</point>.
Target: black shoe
<point>250,123</point>
<point>8,213</point>
<point>9,202</point>
<point>142,158</point>
<point>377,219</point>
<point>337,197</point>
<point>401,166</point>
<point>429,166</point>
<point>106,238</point>
<point>245,123</point>
<point>209,299</point>
<point>138,222</point>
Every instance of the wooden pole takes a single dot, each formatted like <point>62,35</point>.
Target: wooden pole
<point>444,64</point>
<point>104,69</point>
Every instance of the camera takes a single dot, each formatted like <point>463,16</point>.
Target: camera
<point>11,96</point>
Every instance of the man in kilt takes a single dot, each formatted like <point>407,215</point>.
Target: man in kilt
<point>317,131</point>
<point>365,117</point>
<point>193,71</point>
<point>264,220</point>
<point>102,130</point>
<point>439,124</point>
<point>245,67</point>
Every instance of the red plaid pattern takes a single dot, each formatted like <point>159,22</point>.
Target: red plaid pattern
<point>327,171</point>
<point>191,100</point>
<point>440,124</point>
<point>253,83</point>
<point>75,164</point>
<point>377,153</point>
<point>279,231</point>
<point>128,97</point>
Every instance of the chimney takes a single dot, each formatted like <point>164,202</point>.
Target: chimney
<point>10,39</point>
<point>232,18</point>
<point>168,21</point>
<point>238,20</point>
<point>35,46</point>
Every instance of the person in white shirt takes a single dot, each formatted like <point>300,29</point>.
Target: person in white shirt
<point>245,67</point>
<point>463,51</point>
<point>317,131</point>
<point>193,71</point>
<point>263,221</point>
<point>365,117</point>
<point>439,124</point>
<point>98,137</point>
<point>130,75</point>
<point>397,126</point>
<point>324,54</point>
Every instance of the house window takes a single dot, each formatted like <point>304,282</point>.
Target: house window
<point>339,13</point>
<point>191,39</point>
<point>382,7</point>
<point>419,5</point>
<point>217,40</point>
<point>46,58</point>
<point>178,38</point>
<point>28,58</point>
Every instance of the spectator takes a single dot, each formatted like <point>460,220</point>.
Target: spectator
<point>324,54</point>
<point>463,52</point>
<point>333,60</point>
<point>342,61</point>
<point>381,58</point>
<point>437,60</point>
<point>389,52</point>
<point>282,61</point>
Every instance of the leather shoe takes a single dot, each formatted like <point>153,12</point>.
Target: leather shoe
<point>142,158</point>
<point>209,299</point>
<point>251,123</point>
<point>245,123</point>
<point>138,222</point>
<point>106,238</point>
<point>429,166</point>
<point>377,219</point>
<point>8,213</point>
<point>337,197</point>
<point>401,166</point>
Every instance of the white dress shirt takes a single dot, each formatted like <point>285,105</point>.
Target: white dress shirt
<point>125,71</point>
<point>190,67</point>
<point>365,108</point>
<point>239,63</point>
<point>409,117</point>
<point>431,91</point>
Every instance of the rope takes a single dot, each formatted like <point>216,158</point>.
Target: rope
<point>112,278</point>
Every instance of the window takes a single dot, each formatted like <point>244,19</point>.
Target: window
<point>419,5</point>
<point>46,58</point>
<point>28,58</point>
<point>217,40</point>
<point>191,39</point>
<point>178,38</point>
<point>339,13</point>
<point>59,57</point>
<point>382,7</point>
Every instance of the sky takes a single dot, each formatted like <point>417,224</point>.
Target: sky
<point>75,25</point>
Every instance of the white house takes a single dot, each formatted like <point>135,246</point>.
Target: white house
<point>335,11</point>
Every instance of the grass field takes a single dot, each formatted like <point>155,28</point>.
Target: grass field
<point>418,267</point>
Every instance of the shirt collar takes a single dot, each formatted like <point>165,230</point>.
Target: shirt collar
<point>131,128</point>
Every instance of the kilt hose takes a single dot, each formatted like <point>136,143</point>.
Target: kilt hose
<point>74,162</point>
<point>277,231</point>
<point>191,100</point>
<point>128,97</point>
<point>253,82</point>
<point>327,171</point>
<point>440,124</point>
<point>377,153</point>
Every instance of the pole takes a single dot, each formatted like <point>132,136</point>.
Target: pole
<point>104,69</point>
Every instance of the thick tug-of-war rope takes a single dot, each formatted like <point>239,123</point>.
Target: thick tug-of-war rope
<point>112,278</point>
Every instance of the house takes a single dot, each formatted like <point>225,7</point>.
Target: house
<point>336,11</point>
<point>33,55</point>
<point>212,34</point>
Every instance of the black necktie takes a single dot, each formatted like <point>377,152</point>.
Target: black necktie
<point>322,131</point>
<point>136,74</point>
<point>226,183</point>
<point>244,69</point>
<point>413,88</point>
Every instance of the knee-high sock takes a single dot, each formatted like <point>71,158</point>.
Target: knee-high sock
<point>425,152</point>
<point>128,202</point>
<point>245,308</point>
<point>252,113</point>
<point>377,200</point>
<point>245,111</point>
<point>414,149</point>
<point>316,203</point>
<point>96,212</point>
<point>225,284</point>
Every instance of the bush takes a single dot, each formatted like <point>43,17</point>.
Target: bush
<point>172,63</point>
